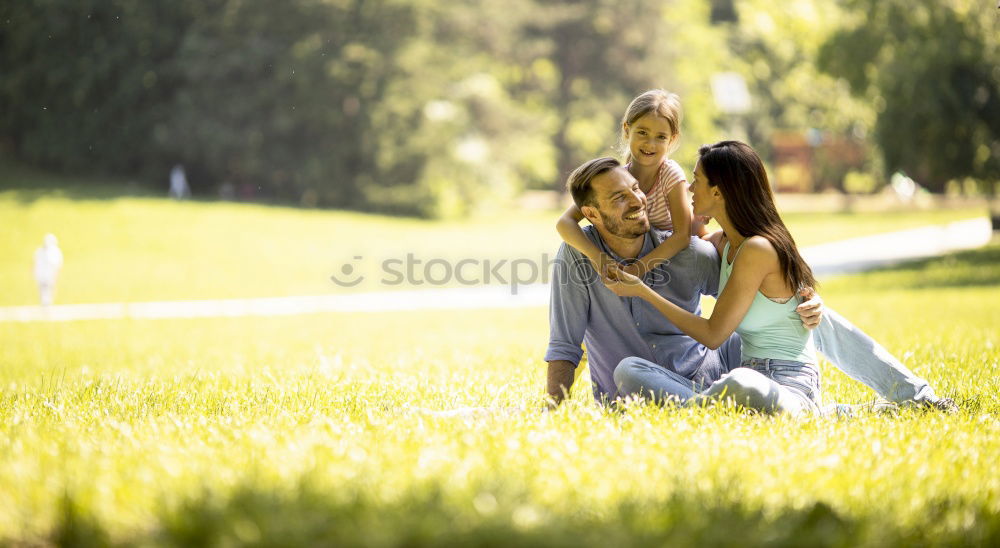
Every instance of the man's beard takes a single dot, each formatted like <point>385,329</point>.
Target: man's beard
<point>616,227</point>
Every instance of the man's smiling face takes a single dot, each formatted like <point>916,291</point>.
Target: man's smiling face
<point>621,205</point>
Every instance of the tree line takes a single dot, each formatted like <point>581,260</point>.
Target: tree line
<point>431,108</point>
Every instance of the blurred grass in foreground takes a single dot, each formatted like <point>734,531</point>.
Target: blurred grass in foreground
<point>305,430</point>
<point>143,249</point>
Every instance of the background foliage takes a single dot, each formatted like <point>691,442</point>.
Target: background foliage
<point>440,108</point>
<point>932,72</point>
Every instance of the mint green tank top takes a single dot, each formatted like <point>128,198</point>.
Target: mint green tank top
<point>770,329</point>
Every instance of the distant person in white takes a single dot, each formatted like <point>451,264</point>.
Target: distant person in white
<point>48,261</point>
<point>178,183</point>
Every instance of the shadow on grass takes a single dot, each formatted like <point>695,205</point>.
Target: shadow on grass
<point>307,517</point>
<point>25,185</point>
<point>972,268</point>
<point>78,192</point>
<point>77,527</point>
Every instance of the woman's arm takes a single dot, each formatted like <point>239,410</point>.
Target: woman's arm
<point>749,270</point>
<point>569,229</point>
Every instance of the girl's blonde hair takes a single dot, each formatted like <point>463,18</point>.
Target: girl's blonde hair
<point>660,102</point>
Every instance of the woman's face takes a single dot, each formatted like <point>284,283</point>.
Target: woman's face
<point>704,198</point>
<point>649,139</point>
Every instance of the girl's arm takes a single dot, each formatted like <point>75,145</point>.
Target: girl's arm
<point>569,229</point>
<point>680,214</point>
<point>749,270</point>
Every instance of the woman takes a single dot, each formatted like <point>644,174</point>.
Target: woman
<point>762,272</point>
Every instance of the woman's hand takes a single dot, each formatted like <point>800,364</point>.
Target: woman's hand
<point>624,284</point>
<point>811,311</point>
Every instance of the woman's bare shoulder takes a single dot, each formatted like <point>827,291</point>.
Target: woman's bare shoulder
<point>760,243</point>
<point>759,250</point>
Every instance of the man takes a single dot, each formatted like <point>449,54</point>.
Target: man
<point>583,310</point>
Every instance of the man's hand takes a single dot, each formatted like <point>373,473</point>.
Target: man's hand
<point>560,378</point>
<point>811,311</point>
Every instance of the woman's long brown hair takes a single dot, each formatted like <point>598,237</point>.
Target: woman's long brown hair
<point>739,173</point>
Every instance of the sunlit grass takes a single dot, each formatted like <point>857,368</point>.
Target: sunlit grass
<point>303,429</point>
<point>141,248</point>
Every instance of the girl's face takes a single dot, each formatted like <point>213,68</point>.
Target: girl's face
<point>649,139</point>
<point>704,197</point>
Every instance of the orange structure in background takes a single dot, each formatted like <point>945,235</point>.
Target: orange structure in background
<point>813,161</point>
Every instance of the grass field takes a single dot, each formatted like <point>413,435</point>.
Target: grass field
<point>315,429</point>
<point>295,430</point>
<point>141,248</point>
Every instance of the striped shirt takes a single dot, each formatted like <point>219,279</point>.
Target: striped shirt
<point>657,203</point>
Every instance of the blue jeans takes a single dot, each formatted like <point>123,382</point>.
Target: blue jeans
<point>769,385</point>
<point>766,385</point>
<point>863,359</point>
<point>847,347</point>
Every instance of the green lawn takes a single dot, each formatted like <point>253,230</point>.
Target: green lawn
<point>304,430</point>
<point>144,248</point>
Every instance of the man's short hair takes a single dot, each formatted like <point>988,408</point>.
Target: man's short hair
<point>579,181</point>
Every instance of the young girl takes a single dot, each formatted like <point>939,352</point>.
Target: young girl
<point>762,271</point>
<point>651,128</point>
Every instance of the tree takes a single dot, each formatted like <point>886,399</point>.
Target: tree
<point>285,97</point>
<point>930,68</point>
<point>85,81</point>
<point>408,106</point>
<point>604,53</point>
<point>465,122</point>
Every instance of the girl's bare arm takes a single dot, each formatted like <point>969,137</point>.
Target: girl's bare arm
<point>569,229</point>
